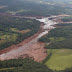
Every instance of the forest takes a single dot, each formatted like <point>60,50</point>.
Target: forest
<point>23,65</point>
<point>59,38</point>
<point>33,8</point>
<point>14,30</point>
<point>26,65</point>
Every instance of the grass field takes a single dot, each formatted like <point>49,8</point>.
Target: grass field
<point>60,59</point>
<point>20,31</point>
<point>7,68</point>
<point>10,36</point>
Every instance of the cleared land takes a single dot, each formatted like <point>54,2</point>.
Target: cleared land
<point>60,59</point>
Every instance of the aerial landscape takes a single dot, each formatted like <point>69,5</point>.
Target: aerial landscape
<point>35,35</point>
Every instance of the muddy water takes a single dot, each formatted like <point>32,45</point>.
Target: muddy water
<point>16,53</point>
<point>48,25</point>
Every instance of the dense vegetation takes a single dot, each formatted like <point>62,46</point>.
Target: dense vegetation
<point>14,30</point>
<point>22,65</point>
<point>59,37</point>
<point>33,8</point>
<point>25,65</point>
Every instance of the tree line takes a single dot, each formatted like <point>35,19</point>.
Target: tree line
<point>8,23</point>
<point>26,65</point>
<point>59,38</point>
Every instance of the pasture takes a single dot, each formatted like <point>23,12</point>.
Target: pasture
<point>60,59</point>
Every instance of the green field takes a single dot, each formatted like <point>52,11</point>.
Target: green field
<point>60,59</point>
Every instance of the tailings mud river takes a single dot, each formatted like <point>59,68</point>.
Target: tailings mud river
<point>32,49</point>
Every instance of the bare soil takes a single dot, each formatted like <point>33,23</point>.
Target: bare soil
<point>35,50</point>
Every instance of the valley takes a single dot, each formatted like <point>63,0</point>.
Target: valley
<point>35,36</point>
<point>32,49</point>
